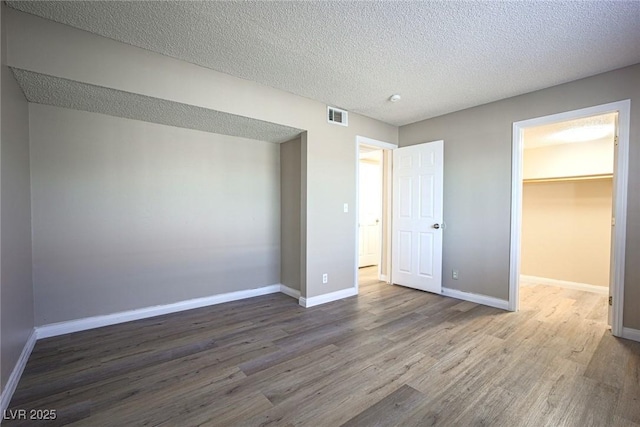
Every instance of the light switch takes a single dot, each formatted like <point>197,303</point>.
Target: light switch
<point>346,207</point>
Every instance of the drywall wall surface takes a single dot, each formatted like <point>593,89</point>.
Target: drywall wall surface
<point>128,214</point>
<point>329,167</point>
<point>331,232</point>
<point>566,230</point>
<point>290,210</point>
<point>477,179</point>
<point>16,288</point>
<point>567,160</point>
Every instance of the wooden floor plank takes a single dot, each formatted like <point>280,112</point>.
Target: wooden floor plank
<point>390,356</point>
<point>609,361</point>
<point>389,410</point>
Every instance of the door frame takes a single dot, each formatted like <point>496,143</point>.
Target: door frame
<point>621,177</point>
<point>386,237</point>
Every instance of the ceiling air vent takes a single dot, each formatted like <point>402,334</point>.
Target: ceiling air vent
<point>337,116</point>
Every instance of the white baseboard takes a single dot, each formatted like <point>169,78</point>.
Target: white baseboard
<point>603,290</point>
<point>293,293</point>
<point>14,378</point>
<point>332,296</point>
<point>477,298</point>
<point>631,334</point>
<point>384,278</point>
<point>67,327</point>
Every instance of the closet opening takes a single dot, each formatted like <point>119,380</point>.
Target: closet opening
<point>567,199</point>
<point>568,216</point>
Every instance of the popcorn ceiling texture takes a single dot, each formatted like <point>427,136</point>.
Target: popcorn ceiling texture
<point>43,89</point>
<point>441,56</point>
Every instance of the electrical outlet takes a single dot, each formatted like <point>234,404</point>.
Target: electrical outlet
<point>454,274</point>
<point>325,278</point>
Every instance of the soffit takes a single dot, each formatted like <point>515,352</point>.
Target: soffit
<point>440,56</point>
<point>50,90</point>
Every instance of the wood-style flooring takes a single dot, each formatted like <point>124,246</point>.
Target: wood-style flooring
<point>390,356</point>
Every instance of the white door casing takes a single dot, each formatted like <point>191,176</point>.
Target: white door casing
<point>418,179</point>
<point>612,248</point>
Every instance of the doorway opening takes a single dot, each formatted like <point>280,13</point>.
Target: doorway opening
<point>370,210</point>
<point>373,211</point>
<point>567,206</point>
<point>569,211</point>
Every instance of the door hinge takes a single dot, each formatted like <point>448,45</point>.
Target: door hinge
<point>610,300</point>
<point>613,221</point>
<point>615,140</point>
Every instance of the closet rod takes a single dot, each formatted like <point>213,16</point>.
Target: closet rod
<point>570,178</point>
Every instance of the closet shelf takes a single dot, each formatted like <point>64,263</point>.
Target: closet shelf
<point>570,178</point>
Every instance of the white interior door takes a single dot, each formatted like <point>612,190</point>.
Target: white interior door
<point>369,244</point>
<point>370,212</point>
<point>417,216</point>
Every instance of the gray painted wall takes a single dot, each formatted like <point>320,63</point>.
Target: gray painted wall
<point>477,177</point>
<point>290,209</point>
<point>329,168</point>
<point>128,214</point>
<point>16,289</point>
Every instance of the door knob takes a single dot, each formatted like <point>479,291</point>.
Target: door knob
<point>436,226</point>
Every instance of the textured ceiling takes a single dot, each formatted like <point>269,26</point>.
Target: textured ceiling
<point>43,89</point>
<point>542,136</point>
<point>441,56</point>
